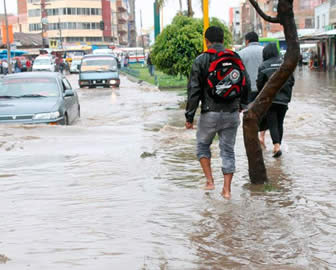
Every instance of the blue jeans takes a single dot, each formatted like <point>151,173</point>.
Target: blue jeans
<point>225,124</point>
<point>151,69</point>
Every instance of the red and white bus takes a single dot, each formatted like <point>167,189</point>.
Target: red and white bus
<point>136,54</point>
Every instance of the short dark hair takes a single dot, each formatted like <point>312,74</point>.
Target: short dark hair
<point>252,37</point>
<point>214,34</point>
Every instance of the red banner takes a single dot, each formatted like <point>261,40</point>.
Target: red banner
<point>10,34</point>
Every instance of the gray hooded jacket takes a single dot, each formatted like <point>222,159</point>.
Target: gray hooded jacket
<point>252,57</point>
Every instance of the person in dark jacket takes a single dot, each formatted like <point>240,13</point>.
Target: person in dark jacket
<point>150,65</point>
<point>276,114</point>
<point>217,117</point>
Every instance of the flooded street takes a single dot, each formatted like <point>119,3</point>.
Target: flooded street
<point>121,189</point>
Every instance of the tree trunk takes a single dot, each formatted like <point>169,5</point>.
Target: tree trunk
<point>262,103</point>
<point>190,11</point>
<point>180,1</point>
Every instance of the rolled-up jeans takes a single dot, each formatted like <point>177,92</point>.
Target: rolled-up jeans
<point>225,124</point>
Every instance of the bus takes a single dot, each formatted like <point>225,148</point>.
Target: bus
<point>136,54</point>
<point>264,41</point>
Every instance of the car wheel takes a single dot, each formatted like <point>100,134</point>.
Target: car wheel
<point>79,113</point>
<point>65,120</point>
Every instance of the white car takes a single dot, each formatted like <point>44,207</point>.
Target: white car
<point>44,63</point>
<point>74,65</point>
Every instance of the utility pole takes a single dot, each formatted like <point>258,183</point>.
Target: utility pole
<point>8,41</point>
<point>44,21</point>
<point>156,19</point>
<point>205,20</point>
<point>142,35</point>
<point>60,32</point>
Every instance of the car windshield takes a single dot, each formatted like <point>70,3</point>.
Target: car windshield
<point>29,87</point>
<point>99,64</point>
<point>42,62</point>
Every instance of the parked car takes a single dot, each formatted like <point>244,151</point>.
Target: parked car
<point>38,97</point>
<point>44,63</point>
<point>99,70</point>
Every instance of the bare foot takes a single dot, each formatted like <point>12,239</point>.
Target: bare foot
<point>262,142</point>
<point>226,195</point>
<point>209,185</point>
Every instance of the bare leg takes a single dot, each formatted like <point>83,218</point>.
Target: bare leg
<point>226,192</point>
<point>262,138</point>
<point>206,166</point>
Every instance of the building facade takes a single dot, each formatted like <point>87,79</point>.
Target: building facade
<point>122,21</point>
<point>234,23</point>
<point>322,17</point>
<point>69,21</point>
<point>132,35</point>
<point>73,21</point>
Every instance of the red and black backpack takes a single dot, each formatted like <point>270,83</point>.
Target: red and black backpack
<point>225,75</point>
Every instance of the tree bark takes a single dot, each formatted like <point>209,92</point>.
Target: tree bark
<point>190,11</point>
<point>252,118</point>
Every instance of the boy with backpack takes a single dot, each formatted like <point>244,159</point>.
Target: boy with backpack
<point>219,80</point>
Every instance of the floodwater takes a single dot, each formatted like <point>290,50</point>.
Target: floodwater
<point>121,189</point>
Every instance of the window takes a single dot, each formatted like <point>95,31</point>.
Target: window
<point>323,20</point>
<point>34,13</point>
<point>318,22</point>
<point>66,84</point>
<point>34,27</point>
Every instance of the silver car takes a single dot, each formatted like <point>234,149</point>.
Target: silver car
<point>38,97</point>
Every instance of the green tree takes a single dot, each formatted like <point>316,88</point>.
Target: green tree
<point>180,43</point>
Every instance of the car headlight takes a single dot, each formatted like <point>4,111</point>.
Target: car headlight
<point>113,81</point>
<point>46,116</point>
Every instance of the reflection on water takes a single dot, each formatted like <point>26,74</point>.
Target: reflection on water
<point>121,189</point>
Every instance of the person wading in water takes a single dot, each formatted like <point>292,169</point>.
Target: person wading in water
<point>219,114</point>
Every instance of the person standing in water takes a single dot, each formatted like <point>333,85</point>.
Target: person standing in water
<point>217,116</point>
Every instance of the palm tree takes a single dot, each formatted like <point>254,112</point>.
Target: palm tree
<point>190,11</point>
<point>161,3</point>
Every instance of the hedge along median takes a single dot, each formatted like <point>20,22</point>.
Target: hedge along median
<point>161,80</point>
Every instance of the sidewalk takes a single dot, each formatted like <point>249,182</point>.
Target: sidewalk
<point>161,80</point>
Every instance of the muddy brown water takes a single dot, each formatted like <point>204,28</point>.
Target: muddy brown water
<point>120,189</point>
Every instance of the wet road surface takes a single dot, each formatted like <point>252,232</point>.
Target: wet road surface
<point>120,189</point>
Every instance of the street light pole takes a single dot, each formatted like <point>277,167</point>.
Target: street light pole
<point>205,20</point>
<point>8,41</point>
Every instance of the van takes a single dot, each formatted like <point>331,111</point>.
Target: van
<point>44,63</point>
<point>98,70</point>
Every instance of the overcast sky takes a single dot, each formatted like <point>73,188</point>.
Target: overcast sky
<point>218,8</point>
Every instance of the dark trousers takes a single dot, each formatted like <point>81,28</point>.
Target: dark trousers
<point>275,118</point>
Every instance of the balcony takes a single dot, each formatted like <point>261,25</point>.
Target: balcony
<point>121,5</point>
<point>122,17</point>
